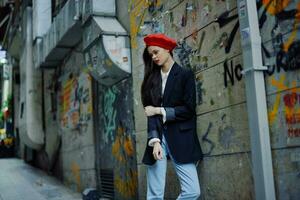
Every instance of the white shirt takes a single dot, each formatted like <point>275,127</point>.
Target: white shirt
<point>164,78</point>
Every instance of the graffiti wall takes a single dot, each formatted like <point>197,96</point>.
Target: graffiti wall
<point>209,43</point>
<point>116,139</point>
<point>279,26</point>
<point>76,101</point>
<point>279,21</point>
<point>72,105</point>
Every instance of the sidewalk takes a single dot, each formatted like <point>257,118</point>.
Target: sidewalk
<point>20,181</point>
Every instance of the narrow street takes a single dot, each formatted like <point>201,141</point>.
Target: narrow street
<point>20,181</point>
<point>90,88</point>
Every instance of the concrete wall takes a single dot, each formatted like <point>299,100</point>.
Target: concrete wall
<point>75,123</point>
<point>116,138</point>
<point>281,42</point>
<point>212,49</point>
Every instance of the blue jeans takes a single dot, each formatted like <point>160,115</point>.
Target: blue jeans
<point>156,178</point>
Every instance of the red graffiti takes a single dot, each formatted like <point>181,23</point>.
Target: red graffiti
<point>290,100</point>
<point>293,119</point>
<point>294,132</point>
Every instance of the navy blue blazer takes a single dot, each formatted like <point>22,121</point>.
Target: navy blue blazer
<point>179,101</point>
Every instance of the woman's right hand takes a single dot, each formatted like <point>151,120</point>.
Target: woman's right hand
<point>151,110</point>
<point>157,151</point>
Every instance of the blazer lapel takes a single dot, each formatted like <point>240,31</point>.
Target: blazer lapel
<point>170,82</point>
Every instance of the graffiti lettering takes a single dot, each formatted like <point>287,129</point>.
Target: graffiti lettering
<point>294,132</point>
<point>289,60</point>
<point>232,73</point>
<point>204,138</point>
<point>109,113</point>
<point>291,99</point>
<point>224,19</point>
<point>286,51</point>
<point>293,119</point>
<point>76,102</point>
<point>292,116</point>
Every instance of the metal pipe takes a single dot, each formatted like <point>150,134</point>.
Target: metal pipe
<point>256,101</point>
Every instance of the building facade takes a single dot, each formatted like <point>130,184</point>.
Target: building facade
<point>80,108</point>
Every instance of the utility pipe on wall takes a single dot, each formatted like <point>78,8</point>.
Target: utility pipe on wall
<point>256,101</point>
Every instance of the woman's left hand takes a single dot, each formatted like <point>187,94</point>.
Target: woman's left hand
<point>150,111</point>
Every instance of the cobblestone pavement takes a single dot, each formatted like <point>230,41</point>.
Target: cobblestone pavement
<point>20,181</point>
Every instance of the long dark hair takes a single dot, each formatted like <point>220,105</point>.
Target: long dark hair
<point>151,86</point>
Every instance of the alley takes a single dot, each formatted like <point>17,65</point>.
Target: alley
<point>20,181</point>
<point>77,77</point>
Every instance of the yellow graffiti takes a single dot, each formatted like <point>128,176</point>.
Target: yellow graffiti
<point>76,102</point>
<point>272,114</point>
<point>128,186</point>
<point>116,147</point>
<point>76,173</point>
<point>123,150</point>
<point>138,11</point>
<point>293,35</point>
<point>276,6</point>
<point>291,39</point>
<point>128,146</point>
<point>66,96</point>
<point>122,142</point>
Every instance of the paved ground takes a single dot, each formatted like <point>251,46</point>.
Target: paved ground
<point>20,181</point>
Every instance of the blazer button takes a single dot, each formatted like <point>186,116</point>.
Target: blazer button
<point>165,127</point>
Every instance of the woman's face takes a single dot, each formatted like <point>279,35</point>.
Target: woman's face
<point>159,55</point>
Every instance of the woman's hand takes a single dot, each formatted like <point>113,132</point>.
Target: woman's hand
<point>157,151</point>
<point>150,111</point>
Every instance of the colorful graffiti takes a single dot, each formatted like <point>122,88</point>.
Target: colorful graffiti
<point>292,113</point>
<point>76,102</point>
<point>285,47</point>
<point>117,143</point>
<point>285,44</point>
<point>137,10</point>
<point>123,150</point>
<point>109,113</point>
<point>291,106</point>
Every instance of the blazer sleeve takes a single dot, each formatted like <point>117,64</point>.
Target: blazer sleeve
<point>188,109</point>
<point>153,127</point>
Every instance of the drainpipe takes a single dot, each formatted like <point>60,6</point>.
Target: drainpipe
<point>256,101</point>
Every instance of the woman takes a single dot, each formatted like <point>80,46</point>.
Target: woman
<point>169,98</point>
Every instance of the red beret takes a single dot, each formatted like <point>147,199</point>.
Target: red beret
<point>160,40</point>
